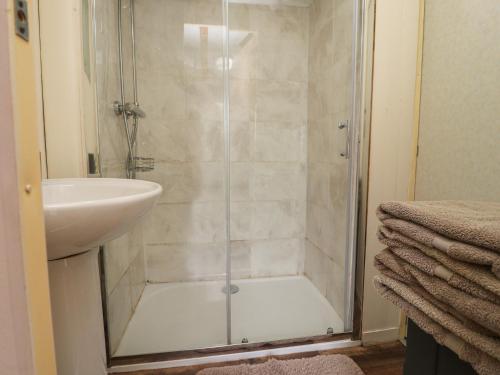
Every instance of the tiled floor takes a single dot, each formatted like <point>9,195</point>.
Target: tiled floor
<point>382,359</point>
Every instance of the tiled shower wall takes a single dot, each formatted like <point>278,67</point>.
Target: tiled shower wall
<point>289,77</point>
<point>179,56</point>
<point>124,257</point>
<point>329,97</point>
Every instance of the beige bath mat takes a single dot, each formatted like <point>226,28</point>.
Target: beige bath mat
<point>320,365</point>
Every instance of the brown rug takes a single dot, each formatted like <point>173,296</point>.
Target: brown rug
<point>335,364</point>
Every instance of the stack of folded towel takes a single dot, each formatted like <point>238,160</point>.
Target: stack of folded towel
<point>442,268</point>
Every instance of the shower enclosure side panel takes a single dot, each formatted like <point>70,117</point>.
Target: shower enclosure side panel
<point>329,102</point>
<point>123,257</point>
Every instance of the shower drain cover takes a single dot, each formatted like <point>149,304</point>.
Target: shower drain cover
<point>233,289</point>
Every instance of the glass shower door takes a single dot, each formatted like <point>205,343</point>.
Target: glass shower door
<point>248,117</point>
<point>164,280</point>
<point>180,56</point>
<point>291,82</point>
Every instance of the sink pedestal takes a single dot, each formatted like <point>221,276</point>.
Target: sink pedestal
<point>75,291</point>
<point>81,214</point>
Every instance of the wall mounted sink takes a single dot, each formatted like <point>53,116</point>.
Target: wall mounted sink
<point>83,213</point>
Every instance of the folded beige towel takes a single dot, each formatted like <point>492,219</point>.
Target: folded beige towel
<point>442,268</point>
<point>451,334</point>
<point>405,231</point>
<point>448,309</point>
<point>462,305</point>
<point>489,345</point>
<point>336,364</point>
<point>474,279</point>
<point>475,223</point>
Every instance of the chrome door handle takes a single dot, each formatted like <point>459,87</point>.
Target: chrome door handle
<point>344,124</point>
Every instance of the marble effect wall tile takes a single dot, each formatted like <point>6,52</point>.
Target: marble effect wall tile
<point>267,220</point>
<point>116,261</point>
<point>275,144</point>
<point>277,257</point>
<point>111,132</point>
<point>326,274</point>
<point>314,267</point>
<point>289,88</point>
<point>120,253</point>
<point>242,141</point>
<point>185,262</point>
<point>281,101</point>
<point>137,277</point>
<point>123,257</point>
<point>197,222</point>
<point>119,311</point>
<point>328,103</point>
<point>290,85</point>
<point>181,89</point>
<point>183,141</point>
<point>252,258</point>
<point>335,281</point>
<point>189,181</point>
<point>282,57</point>
<point>279,181</point>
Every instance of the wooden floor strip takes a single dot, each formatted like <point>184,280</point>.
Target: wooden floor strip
<point>382,359</point>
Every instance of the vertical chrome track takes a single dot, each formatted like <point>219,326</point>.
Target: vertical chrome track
<point>132,34</point>
<point>227,163</point>
<point>122,90</point>
<point>135,127</point>
<point>95,90</point>
<point>354,161</point>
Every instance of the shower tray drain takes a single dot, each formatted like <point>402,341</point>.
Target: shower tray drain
<point>232,288</point>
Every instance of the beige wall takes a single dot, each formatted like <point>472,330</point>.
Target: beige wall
<point>459,128</point>
<point>27,345</point>
<point>63,90</point>
<point>459,134</point>
<point>395,56</point>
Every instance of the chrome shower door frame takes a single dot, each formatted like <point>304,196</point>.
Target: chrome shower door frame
<point>357,182</point>
<point>358,176</point>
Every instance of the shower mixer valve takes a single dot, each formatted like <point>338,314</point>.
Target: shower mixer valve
<point>130,109</point>
<point>141,164</point>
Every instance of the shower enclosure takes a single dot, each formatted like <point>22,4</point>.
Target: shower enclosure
<point>249,110</point>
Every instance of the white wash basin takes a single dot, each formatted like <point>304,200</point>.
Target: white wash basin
<point>83,213</point>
